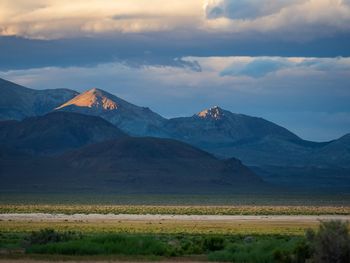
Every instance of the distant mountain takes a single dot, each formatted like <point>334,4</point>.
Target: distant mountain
<point>310,178</point>
<point>134,120</point>
<point>56,132</point>
<point>254,140</point>
<point>336,152</point>
<point>18,102</point>
<point>216,126</point>
<point>142,165</point>
<point>325,167</point>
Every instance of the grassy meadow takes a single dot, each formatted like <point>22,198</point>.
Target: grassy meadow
<point>211,247</point>
<point>52,244</point>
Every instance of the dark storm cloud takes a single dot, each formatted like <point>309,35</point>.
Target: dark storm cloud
<point>160,48</point>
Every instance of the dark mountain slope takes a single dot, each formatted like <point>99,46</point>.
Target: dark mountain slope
<point>18,102</point>
<point>56,132</point>
<point>141,165</point>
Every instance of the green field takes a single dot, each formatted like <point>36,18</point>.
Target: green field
<point>213,247</point>
<point>142,241</point>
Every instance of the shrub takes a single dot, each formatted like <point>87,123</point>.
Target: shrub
<point>331,243</point>
<point>213,243</point>
<point>46,236</point>
<point>264,250</point>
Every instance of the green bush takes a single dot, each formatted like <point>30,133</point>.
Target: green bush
<point>46,236</point>
<point>263,250</point>
<point>213,243</point>
<point>331,243</point>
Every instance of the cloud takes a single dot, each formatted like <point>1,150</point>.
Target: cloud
<point>298,20</point>
<point>256,68</point>
<point>327,64</point>
<point>50,19</point>
<point>248,9</point>
<point>157,48</point>
<point>287,19</point>
<point>260,67</point>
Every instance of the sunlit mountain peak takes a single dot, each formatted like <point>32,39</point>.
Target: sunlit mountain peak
<point>215,113</point>
<point>93,98</point>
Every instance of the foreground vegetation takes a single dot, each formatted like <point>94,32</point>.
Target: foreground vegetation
<point>330,243</point>
<point>176,210</point>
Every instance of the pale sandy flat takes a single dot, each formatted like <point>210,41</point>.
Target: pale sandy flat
<point>125,217</point>
<point>90,261</point>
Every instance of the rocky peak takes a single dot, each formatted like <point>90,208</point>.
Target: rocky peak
<point>215,113</point>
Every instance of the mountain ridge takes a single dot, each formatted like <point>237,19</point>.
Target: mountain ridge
<point>18,102</point>
<point>275,153</point>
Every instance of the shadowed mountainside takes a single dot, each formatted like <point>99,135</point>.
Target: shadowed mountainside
<point>56,132</point>
<point>128,165</point>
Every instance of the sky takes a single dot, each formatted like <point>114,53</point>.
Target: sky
<point>287,60</point>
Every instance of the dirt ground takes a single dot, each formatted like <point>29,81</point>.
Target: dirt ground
<point>92,261</point>
<point>112,217</point>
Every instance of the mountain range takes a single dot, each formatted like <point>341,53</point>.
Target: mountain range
<point>63,151</point>
<point>255,141</point>
<point>84,122</point>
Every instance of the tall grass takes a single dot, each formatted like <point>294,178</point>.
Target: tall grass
<point>263,250</point>
<point>105,244</point>
<point>330,243</point>
<point>118,245</point>
<point>217,247</point>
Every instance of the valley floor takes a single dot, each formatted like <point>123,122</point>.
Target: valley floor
<point>170,238</point>
<point>94,261</point>
<point>187,229</point>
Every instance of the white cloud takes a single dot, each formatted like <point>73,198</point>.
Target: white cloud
<point>66,18</point>
<point>296,19</point>
<point>60,18</point>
